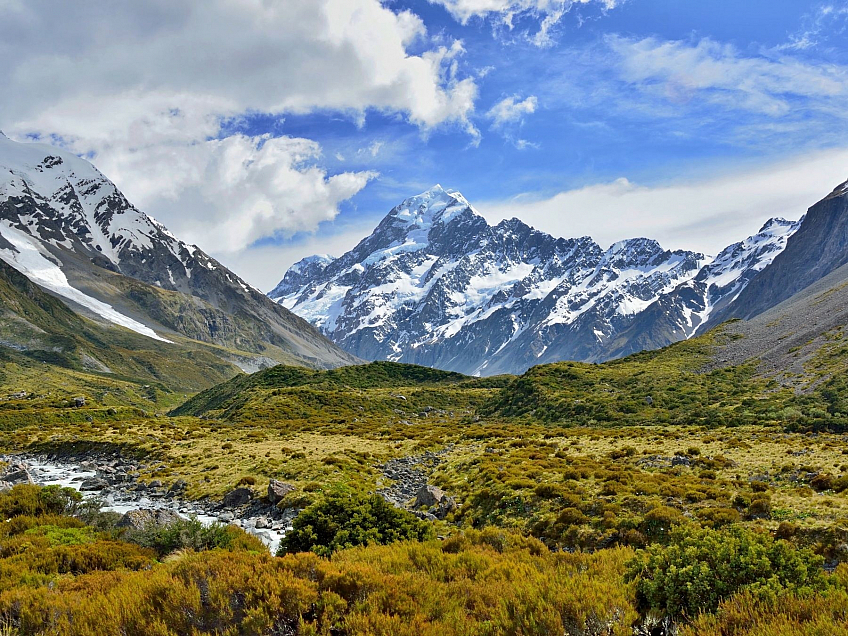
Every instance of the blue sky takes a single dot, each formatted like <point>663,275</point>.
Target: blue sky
<point>574,137</point>
<point>689,121</point>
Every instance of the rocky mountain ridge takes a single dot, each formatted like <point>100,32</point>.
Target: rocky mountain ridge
<point>435,284</point>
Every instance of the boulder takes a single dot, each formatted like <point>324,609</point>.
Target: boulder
<point>428,496</point>
<point>178,486</point>
<point>446,506</point>
<point>17,474</point>
<point>438,503</point>
<point>94,483</point>
<point>140,519</point>
<point>237,497</point>
<point>277,490</point>
<point>226,517</point>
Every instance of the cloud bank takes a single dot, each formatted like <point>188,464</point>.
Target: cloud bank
<point>705,215</point>
<point>148,90</point>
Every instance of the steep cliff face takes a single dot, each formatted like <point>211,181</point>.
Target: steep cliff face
<point>819,247</point>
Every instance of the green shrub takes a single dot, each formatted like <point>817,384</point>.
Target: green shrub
<point>657,524</point>
<point>191,534</point>
<point>700,568</point>
<point>342,521</point>
<point>717,517</point>
<point>28,499</point>
<point>760,507</point>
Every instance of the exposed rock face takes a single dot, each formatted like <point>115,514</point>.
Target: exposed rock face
<point>435,284</point>
<point>819,247</point>
<point>277,491</point>
<point>110,260</point>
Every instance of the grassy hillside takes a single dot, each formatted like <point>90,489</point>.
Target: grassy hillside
<point>36,327</point>
<point>294,392</point>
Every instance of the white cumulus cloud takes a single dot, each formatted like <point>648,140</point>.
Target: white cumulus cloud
<point>151,91</point>
<point>511,110</point>
<point>226,194</point>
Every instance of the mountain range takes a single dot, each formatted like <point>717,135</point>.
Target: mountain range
<point>92,282</point>
<point>437,285</point>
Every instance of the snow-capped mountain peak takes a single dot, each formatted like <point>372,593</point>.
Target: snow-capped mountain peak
<point>435,284</point>
<point>66,201</point>
<point>434,206</point>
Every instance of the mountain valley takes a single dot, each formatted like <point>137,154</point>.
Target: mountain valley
<point>402,498</point>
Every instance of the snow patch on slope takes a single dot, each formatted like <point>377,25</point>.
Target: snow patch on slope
<point>33,263</point>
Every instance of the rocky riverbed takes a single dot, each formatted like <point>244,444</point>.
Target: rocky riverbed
<point>410,489</point>
<point>112,479</point>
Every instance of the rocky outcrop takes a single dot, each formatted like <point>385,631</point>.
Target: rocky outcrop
<point>93,483</point>
<point>14,474</point>
<point>410,488</point>
<point>237,497</point>
<point>142,518</point>
<point>277,491</point>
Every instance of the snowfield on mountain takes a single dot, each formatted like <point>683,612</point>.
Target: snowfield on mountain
<point>436,285</point>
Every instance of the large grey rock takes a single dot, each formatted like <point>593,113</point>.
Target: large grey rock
<point>94,483</point>
<point>429,496</point>
<point>237,497</point>
<point>16,474</point>
<point>142,518</point>
<point>277,490</point>
<point>178,486</point>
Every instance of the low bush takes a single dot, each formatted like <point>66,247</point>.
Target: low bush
<point>343,521</point>
<point>747,614</point>
<point>28,499</point>
<point>700,568</point>
<point>191,534</point>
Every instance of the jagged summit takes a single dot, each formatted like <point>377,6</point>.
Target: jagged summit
<point>435,284</point>
<point>840,190</point>
<point>432,206</point>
